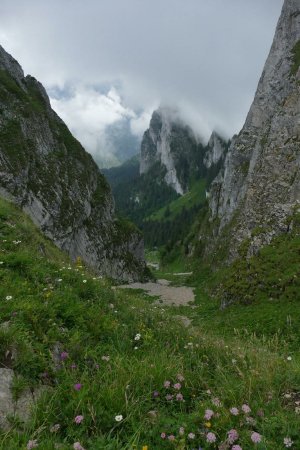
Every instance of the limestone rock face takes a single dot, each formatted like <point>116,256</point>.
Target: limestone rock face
<point>171,143</point>
<point>260,185</point>
<point>216,150</point>
<point>46,171</point>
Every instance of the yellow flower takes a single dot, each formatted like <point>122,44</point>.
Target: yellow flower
<point>208,425</point>
<point>145,447</point>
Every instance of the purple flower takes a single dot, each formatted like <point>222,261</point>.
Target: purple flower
<point>78,419</point>
<point>78,446</point>
<point>211,438</point>
<point>232,436</point>
<point>64,355</point>
<point>177,386</point>
<point>234,411</point>
<point>208,414</point>
<point>32,444</point>
<point>167,384</point>
<point>179,397</point>
<point>163,435</point>
<point>256,437</point>
<point>246,409</point>
<point>77,386</point>
<point>155,394</point>
<point>73,366</point>
<point>169,397</point>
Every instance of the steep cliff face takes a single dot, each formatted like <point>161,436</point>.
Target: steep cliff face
<point>45,170</point>
<point>260,186</point>
<point>171,143</point>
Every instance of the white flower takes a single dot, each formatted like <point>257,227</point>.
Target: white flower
<point>8,297</point>
<point>135,348</point>
<point>119,418</point>
<point>1,262</point>
<point>288,442</point>
<point>137,337</point>
<point>59,280</point>
<point>105,358</point>
<point>84,281</point>
<point>289,358</point>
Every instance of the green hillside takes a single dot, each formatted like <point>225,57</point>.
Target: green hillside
<point>103,353</point>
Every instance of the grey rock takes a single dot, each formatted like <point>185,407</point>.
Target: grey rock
<point>46,171</point>
<point>260,185</point>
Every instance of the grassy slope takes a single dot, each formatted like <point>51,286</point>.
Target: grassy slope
<point>90,320</point>
<point>195,196</point>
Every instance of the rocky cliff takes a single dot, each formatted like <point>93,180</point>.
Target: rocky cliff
<point>45,170</point>
<point>260,186</point>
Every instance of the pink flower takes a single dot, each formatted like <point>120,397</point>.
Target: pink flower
<point>208,414</point>
<point>78,419</point>
<point>78,446</point>
<point>32,444</point>
<point>77,386</point>
<point>191,436</point>
<point>179,397</point>
<point>246,409</point>
<point>64,355</point>
<point>180,377</point>
<point>163,435</point>
<point>216,402</point>
<point>155,394</point>
<point>232,436</point>
<point>169,397</point>
<point>236,447</point>
<point>73,366</point>
<point>256,437</point>
<point>177,386</point>
<point>167,384</point>
<point>171,437</point>
<point>234,411</point>
<point>211,437</point>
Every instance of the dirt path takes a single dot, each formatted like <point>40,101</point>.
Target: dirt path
<point>169,295</point>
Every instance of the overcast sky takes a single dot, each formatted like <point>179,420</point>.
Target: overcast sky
<point>104,61</point>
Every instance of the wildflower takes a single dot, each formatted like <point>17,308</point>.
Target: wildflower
<point>105,358</point>
<point>137,337</point>
<point>78,446</point>
<point>163,435</point>
<point>77,386</point>
<point>171,437</point>
<point>260,413</point>
<point>289,358</point>
<point>191,436</point>
<point>288,442</point>
<point>208,414</point>
<point>119,418</point>
<point>1,262</point>
<point>179,397</point>
<point>233,361</point>
<point>216,402</point>
<point>181,431</point>
<point>169,397</point>
<point>207,424</point>
<point>59,280</point>
<point>64,355</point>
<point>135,348</point>
<point>256,437</point>
<point>73,366</point>
<point>155,394</point>
<point>167,384</point>
<point>234,411</point>
<point>180,377</point>
<point>145,447</point>
<point>250,421</point>
<point>236,447</point>
<point>8,297</point>
<point>32,444</point>
<point>177,386</point>
<point>232,436</point>
<point>246,409</point>
<point>78,419</point>
<point>55,428</point>
<point>211,437</point>
<point>297,410</point>
<point>84,281</point>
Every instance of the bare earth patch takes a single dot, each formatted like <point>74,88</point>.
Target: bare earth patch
<point>169,295</point>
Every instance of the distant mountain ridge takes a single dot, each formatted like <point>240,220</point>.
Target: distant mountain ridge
<point>46,171</point>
